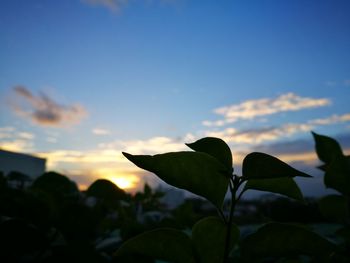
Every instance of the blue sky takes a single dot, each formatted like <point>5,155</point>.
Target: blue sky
<point>83,80</point>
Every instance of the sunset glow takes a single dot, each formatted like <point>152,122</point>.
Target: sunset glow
<point>151,76</point>
<point>124,182</point>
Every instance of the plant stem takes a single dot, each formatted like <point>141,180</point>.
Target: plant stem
<point>230,220</point>
<point>222,215</point>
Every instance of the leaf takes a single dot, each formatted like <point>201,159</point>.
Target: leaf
<point>334,207</point>
<point>326,148</point>
<point>257,165</point>
<point>209,238</point>
<point>163,244</point>
<point>278,240</point>
<point>196,172</point>
<point>337,175</point>
<point>283,185</point>
<point>214,147</point>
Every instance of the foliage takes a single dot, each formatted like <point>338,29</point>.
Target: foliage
<point>53,222</point>
<point>208,172</point>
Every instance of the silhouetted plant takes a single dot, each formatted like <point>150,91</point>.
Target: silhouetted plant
<point>335,207</point>
<point>207,171</point>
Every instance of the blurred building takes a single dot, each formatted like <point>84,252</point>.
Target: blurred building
<point>23,163</point>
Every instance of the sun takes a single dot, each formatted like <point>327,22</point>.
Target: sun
<point>123,179</point>
<point>123,182</point>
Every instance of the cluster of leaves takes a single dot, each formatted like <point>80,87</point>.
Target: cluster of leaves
<point>207,172</point>
<point>52,221</point>
<point>336,207</point>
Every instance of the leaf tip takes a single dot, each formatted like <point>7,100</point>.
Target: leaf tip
<point>127,155</point>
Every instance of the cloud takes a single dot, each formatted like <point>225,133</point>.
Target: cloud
<point>17,141</point>
<point>117,5</point>
<point>251,109</point>
<point>17,145</point>
<point>6,132</point>
<point>113,5</point>
<point>154,145</point>
<point>331,120</point>
<point>26,135</point>
<point>43,110</point>
<point>99,131</point>
<point>260,135</point>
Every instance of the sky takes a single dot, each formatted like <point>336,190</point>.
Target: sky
<point>83,80</point>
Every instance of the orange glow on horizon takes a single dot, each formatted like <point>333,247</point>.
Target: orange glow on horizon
<point>125,182</point>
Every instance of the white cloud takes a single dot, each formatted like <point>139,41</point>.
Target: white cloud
<point>259,135</point>
<point>99,131</point>
<point>16,141</point>
<point>256,136</point>
<point>26,135</point>
<point>251,109</point>
<point>331,120</point>
<point>17,145</point>
<point>159,144</point>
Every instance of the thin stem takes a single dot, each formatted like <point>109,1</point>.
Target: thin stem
<point>222,216</point>
<point>230,220</point>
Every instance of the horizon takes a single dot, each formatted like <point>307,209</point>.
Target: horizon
<point>82,81</point>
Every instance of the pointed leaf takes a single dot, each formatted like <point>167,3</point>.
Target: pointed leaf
<point>163,244</point>
<point>334,207</point>
<point>209,237</point>
<point>326,148</point>
<point>259,165</point>
<point>196,172</point>
<point>337,175</point>
<point>214,147</point>
<point>278,240</point>
<point>283,185</point>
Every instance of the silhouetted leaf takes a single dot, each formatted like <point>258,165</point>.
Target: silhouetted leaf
<point>278,240</point>
<point>284,186</point>
<point>257,165</point>
<point>164,244</point>
<point>337,175</point>
<point>334,207</point>
<point>209,236</point>
<point>214,147</point>
<point>326,148</point>
<point>197,172</point>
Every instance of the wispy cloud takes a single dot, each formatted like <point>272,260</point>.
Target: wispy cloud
<point>117,5</point>
<point>17,145</point>
<point>331,120</point>
<point>251,109</point>
<point>26,135</point>
<point>99,131</point>
<point>6,132</point>
<point>43,110</point>
<point>260,135</point>
<point>158,144</point>
<point>18,141</point>
<point>113,5</point>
